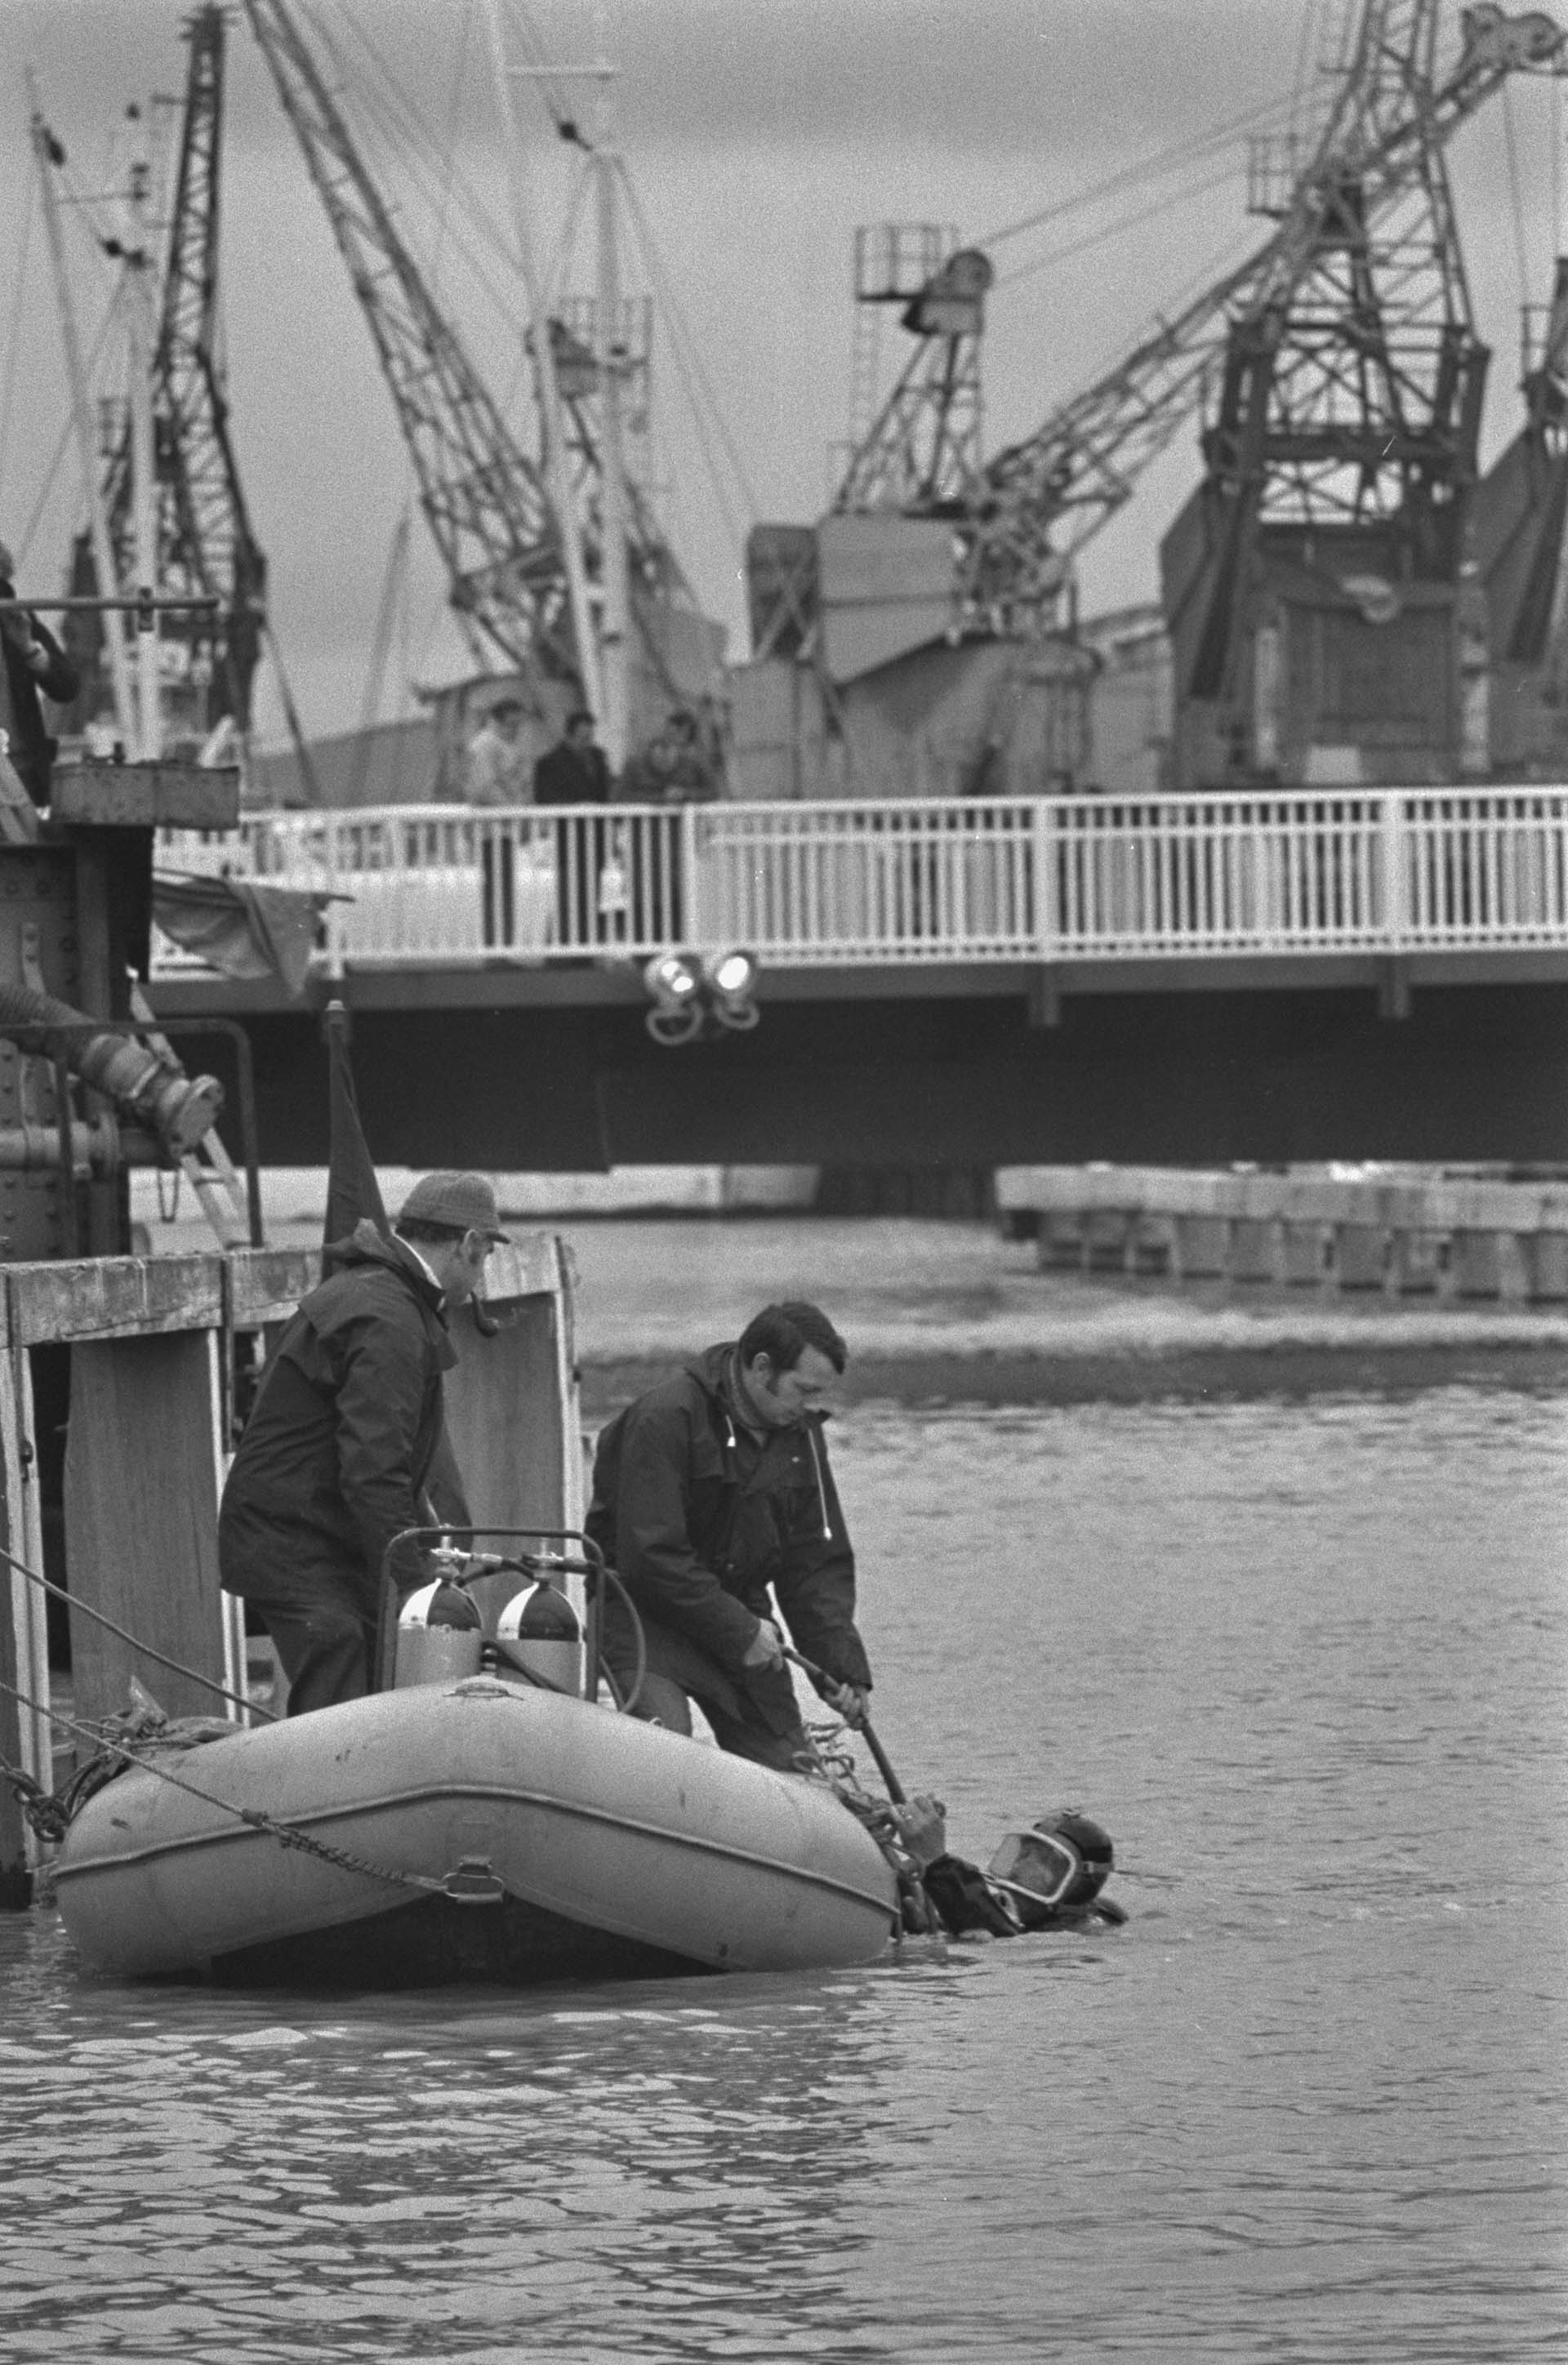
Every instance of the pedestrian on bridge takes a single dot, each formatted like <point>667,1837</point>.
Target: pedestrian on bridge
<point>33,665</point>
<point>713,1501</point>
<point>576,772</point>
<point>497,776</point>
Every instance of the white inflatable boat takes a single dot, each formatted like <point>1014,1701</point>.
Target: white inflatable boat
<point>492,1831</point>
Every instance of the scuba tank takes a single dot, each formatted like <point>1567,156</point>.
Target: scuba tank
<point>539,1631</point>
<point>440,1636</point>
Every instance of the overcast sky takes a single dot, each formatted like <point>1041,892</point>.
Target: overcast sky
<point>758,134</point>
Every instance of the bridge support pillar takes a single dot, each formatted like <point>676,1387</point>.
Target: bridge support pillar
<point>1360,1255</point>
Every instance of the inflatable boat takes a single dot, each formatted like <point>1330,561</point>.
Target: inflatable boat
<point>478,1829</point>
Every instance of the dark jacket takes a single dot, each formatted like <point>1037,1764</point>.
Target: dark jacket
<point>699,1517</point>
<point>570,776</point>
<point>336,1456</point>
<point>32,749</point>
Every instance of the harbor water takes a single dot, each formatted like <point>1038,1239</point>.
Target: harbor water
<point>1304,1652</point>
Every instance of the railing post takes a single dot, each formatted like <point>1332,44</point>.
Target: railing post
<point>698,929</point>
<point>338,914</point>
<point>1045,844</point>
<point>1394,833</point>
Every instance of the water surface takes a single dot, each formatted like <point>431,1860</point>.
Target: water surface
<point>1307,1659</point>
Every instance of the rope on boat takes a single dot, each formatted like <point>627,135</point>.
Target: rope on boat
<point>51,1816</point>
<point>175,1666</point>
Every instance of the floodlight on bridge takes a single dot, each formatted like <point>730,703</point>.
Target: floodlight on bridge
<point>730,981</point>
<point>675,981</point>
<point>694,996</point>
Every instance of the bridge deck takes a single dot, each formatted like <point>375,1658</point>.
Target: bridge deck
<point>440,906</point>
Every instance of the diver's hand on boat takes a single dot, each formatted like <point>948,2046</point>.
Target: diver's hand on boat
<point>922,1825</point>
<point>765,1649</point>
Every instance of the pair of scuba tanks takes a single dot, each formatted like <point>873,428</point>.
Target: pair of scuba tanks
<point>441,1637</point>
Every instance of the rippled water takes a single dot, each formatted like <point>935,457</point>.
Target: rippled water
<point>1307,1660</point>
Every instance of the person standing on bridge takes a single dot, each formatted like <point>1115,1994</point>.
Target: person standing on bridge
<point>341,1452</point>
<point>576,772</point>
<point>709,1491</point>
<point>33,665</point>
<point>497,776</point>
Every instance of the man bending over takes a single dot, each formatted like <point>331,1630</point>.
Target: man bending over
<point>713,1501</point>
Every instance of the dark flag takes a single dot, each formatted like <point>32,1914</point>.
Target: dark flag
<point>352,1191</point>
<point>353,1194</point>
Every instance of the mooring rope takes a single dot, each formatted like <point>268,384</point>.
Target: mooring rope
<point>99,1618</point>
<point>51,1818</point>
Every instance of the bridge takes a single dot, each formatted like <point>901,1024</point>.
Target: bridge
<point>1285,976</point>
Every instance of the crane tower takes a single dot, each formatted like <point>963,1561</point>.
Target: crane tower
<point>206,547</point>
<point>494,516</point>
<point>1320,587</point>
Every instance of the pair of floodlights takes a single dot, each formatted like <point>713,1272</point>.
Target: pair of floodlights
<point>700,993</point>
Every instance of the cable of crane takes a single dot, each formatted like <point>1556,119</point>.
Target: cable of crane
<point>681,337</point>
<point>402,130</point>
<point>683,343</point>
<point>556,292</point>
<point>450,145</point>
<point>1217,273</point>
<point>1059,254</point>
<point>534,40</point>
<point>688,369</point>
<point>1156,167</point>
<point>582,183</point>
<point>14,327</point>
<point>1302,52</point>
<point>95,355</point>
<point>1520,259</point>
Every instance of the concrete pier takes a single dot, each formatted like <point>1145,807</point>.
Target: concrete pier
<point>1446,1241</point>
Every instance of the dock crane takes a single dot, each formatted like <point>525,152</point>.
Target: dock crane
<point>1353,214</point>
<point>510,533</point>
<point>1342,380</point>
<point>205,548</point>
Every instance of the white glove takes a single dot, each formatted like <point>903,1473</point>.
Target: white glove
<point>765,1650</point>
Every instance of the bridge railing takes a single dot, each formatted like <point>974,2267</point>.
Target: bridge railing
<point>1293,871</point>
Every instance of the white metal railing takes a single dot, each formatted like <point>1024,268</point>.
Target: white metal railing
<point>1064,878</point>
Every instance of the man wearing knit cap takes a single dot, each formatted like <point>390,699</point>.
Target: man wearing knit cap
<point>337,1456</point>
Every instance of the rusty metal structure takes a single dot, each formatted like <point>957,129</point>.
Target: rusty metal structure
<point>207,548</point>
<point>485,498</point>
<point>1326,612</point>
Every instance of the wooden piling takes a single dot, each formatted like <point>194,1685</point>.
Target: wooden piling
<point>150,1342</point>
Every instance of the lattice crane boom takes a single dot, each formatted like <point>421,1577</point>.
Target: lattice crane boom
<point>205,547</point>
<point>1380,147</point>
<point>481,494</point>
<point>485,499</point>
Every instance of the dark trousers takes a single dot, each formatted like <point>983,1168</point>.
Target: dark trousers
<point>658,904</point>
<point>676,1673</point>
<point>582,850</point>
<point>499,856</point>
<point>325,1647</point>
